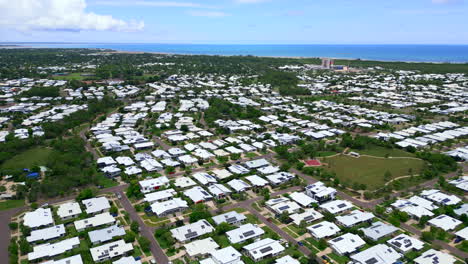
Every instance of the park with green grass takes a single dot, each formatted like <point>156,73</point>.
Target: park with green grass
<point>372,171</point>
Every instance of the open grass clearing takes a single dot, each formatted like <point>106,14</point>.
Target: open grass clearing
<point>369,170</point>
<point>27,159</point>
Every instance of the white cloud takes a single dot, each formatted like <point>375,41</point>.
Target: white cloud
<point>207,13</point>
<point>67,15</point>
<point>148,3</point>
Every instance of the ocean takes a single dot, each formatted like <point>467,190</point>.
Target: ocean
<point>407,53</point>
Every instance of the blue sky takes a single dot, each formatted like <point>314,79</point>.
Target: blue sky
<point>236,21</point>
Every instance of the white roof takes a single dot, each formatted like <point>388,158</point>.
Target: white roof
<point>309,215</point>
<point>417,211</point>
<point>433,256</point>
<point>229,217</point>
<point>218,189</point>
<point>287,260</point>
<point>445,222</point>
<point>288,206</point>
<point>149,184</point>
<point>201,247</point>
<point>161,208</point>
<point>106,234</point>
<point>263,248</point>
<point>97,220</point>
<point>160,195</point>
<point>347,243</point>
<point>184,182</point>
<point>440,198</point>
<point>256,180</point>
<point>463,233</point>
<point>197,194</point>
<point>191,231</point>
<point>110,250</point>
<point>94,205</point>
<point>46,233</point>
<point>354,218</point>
<point>323,229</point>
<point>302,199</point>
<point>378,230</point>
<point>416,200</point>
<point>204,178</point>
<point>244,232</point>
<point>238,185</point>
<point>76,259</point>
<point>337,206</point>
<point>227,255</point>
<point>50,250</point>
<point>378,254</point>
<point>39,217</point>
<point>258,163</point>
<point>221,173</point>
<point>405,243</point>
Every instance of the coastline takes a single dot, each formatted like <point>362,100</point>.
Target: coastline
<point>113,50</point>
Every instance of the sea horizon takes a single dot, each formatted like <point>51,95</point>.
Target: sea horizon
<point>435,53</point>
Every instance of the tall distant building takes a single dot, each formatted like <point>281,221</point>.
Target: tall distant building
<point>328,63</point>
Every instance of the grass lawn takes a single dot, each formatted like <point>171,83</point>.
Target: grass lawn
<point>106,182</point>
<point>28,159</point>
<point>338,258</point>
<point>11,204</point>
<point>71,76</point>
<point>325,153</point>
<point>379,151</point>
<point>251,155</point>
<point>370,171</point>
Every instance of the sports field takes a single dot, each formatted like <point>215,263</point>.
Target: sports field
<point>370,170</point>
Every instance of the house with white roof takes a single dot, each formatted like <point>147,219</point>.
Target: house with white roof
<point>378,254</point>
<point>232,218</point>
<point>405,243</point>
<point>227,255</point>
<point>219,190</point>
<point>318,191</point>
<point>198,195</point>
<point>41,235</point>
<point>151,185</point>
<point>110,250</point>
<point>184,182</point>
<point>354,218</point>
<point>323,229</point>
<point>462,234</point>
<point>440,197</point>
<point>378,230</point>
<point>50,250</point>
<point>434,256</point>
<point>337,206</point>
<point>244,233</point>
<point>302,199</point>
<point>289,207</point>
<point>204,178</point>
<point>308,216</point>
<point>40,217</point>
<point>279,178</point>
<point>257,163</point>
<point>160,196</point>
<point>127,260</point>
<point>106,234</point>
<point>346,244</point>
<point>191,231</point>
<point>94,221</point>
<point>200,248</point>
<point>239,185</point>
<point>169,207</point>
<point>76,259</point>
<point>238,169</point>
<point>445,222</point>
<point>286,260</point>
<point>256,181</point>
<point>96,205</point>
<point>221,173</point>
<point>265,248</point>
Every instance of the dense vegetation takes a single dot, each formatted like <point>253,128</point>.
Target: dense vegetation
<point>42,92</point>
<point>285,82</point>
<point>409,66</point>
<point>222,109</point>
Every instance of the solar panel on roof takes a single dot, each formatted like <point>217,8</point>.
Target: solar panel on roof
<point>266,249</point>
<point>337,239</point>
<point>249,233</point>
<point>341,205</point>
<point>191,235</point>
<point>371,261</point>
